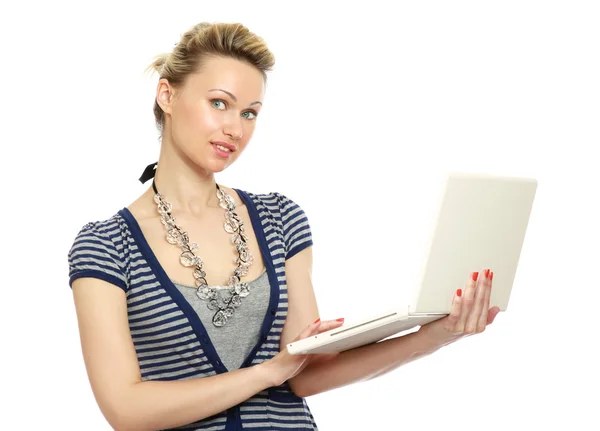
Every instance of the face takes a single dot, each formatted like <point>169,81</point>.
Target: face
<point>211,118</point>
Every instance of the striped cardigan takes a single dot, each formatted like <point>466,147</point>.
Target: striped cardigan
<point>169,338</point>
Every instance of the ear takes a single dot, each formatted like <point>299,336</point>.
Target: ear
<point>164,95</point>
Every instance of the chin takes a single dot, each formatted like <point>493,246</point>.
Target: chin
<point>216,166</point>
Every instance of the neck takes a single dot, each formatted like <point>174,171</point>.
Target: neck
<point>188,190</point>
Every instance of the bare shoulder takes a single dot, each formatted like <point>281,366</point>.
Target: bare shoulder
<point>141,208</point>
<point>239,202</point>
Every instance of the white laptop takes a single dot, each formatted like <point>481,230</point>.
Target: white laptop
<point>481,224</point>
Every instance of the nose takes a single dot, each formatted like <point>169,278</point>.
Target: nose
<point>234,129</point>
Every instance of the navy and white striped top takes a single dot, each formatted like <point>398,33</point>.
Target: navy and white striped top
<point>169,338</point>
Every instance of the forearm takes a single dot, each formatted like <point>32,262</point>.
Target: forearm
<point>365,363</point>
<point>154,405</point>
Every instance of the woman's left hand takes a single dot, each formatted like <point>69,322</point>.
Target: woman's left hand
<point>470,313</point>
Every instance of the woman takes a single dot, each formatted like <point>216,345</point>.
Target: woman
<point>179,334</point>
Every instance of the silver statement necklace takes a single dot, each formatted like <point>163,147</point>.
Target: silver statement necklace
<point>222,299</point>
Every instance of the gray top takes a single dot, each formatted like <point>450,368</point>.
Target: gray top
<point>243,327</point>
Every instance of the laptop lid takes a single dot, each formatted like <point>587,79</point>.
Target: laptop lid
<point>481,223</point>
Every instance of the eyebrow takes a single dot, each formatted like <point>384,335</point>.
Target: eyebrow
<point>233,97</point>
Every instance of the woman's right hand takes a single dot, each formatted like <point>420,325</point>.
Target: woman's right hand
<point>285,366</point>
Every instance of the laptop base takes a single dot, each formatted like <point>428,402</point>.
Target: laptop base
<point>346,337</point>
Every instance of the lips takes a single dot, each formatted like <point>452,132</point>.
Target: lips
<point>227,145</point>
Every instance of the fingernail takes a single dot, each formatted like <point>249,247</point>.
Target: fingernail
<point>316,321</point>
<point>475,276</point>
<point>491,275</point>
<point>341,319</point>
<point>459,292</point>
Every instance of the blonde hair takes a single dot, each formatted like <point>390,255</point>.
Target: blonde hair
<point>202,41</point>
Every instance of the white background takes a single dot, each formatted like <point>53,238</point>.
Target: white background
<point>367,106</point>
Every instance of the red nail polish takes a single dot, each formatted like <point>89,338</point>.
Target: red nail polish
<point>341,319</point>
<point>487,273</point>
<point>475,276</point>
<point>491,275</point>
<point>316,321</point>
<point>459,292</point>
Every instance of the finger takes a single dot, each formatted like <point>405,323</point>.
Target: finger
<point>484,312</point>
<point>467,301</point>
<point>492,315</point>
<point>482,287</point>
<point>327,325</point>
<point>454,316</point>
<point>308,330</point>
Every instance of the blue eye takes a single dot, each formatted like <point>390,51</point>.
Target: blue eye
<point>250,115</point>
<point>217,103</point>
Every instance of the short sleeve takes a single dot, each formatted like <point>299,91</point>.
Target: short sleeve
<point>94,254</point>
<point>296,227</point>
